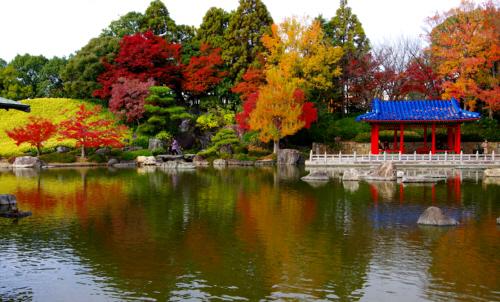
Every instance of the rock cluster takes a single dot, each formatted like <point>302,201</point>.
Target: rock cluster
<point>288,157</point>
<point>28,162</point>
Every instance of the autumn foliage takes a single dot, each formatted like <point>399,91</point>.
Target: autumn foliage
<point>127,98</point>
<point>203,71</point>
<point>143,56</point>
<point>89,131</point>
<point>36,132</point>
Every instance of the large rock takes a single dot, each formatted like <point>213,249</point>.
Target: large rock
<point>112,162</point>
<point>168,157</point>
<point>315,176</point>
<point>155,143</point>
<point>27,162</point>
<point>220,163</point>
<point>434,216</point>
<point>146,160</point>
<point>103,151</point>
<point>385,171</point>
<point>7,199</point>
<point>288,157</point>
<point>351,175</point>
<point>492,172</point>
<point>199,161</point>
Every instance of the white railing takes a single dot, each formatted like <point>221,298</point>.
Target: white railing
<point>399,157</point>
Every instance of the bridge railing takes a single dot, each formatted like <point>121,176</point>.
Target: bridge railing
<point>414,157</point>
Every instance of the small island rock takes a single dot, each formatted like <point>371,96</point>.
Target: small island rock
<point>434,216</point>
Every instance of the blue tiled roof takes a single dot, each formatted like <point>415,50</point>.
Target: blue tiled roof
<point>419,110</point>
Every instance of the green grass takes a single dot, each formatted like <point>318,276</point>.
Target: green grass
<point>53,109</point>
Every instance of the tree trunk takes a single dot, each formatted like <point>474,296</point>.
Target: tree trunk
<point>38,152</point>
<point>83,152</point>
<point>276,146</point>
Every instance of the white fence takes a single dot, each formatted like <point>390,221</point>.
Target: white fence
<point>444,158</point>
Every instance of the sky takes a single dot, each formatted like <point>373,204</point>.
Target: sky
<point>61,27</point>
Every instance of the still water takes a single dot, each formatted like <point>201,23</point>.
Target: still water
<point>244,235</point>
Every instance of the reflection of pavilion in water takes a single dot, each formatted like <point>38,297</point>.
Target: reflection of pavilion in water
<point>413,199</point>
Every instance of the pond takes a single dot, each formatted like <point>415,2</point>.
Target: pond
<point>244,234</point>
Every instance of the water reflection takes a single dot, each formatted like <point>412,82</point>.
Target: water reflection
<point>235,234</point>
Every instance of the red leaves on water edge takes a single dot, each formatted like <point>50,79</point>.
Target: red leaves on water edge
<point>36,132</point>
<point>90,131</point>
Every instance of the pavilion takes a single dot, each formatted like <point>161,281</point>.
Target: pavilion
<point>401,115</point>
<point>9,104</point>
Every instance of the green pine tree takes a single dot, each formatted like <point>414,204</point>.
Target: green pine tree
<point>161,113</point>
<point>213,27</point>
<point>157,19</point>
<point>243,36</point>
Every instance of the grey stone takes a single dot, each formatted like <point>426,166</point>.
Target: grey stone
<point>492,172</point>
<point>316,176</point>
<point>155,143</point>
<point>27,162</point>
<point>498,220</point>
<point>235,162</point>
<point>62,149</point>
<point>112,162</point>
<point>220,162</point>
<point>103,151</point>
<point>146,160</point>
<point>384,172</point>
<point>400,174</point>
<point>288,157</point>
<point>351,175</point>
<point>434,216</point>
<point>265,162</point>
<point>7,199</point>
<point>199,161</point>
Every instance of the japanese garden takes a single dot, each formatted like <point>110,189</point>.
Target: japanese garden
<point>250,158</point>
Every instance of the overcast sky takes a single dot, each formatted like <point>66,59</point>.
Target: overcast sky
<point>60,27</point>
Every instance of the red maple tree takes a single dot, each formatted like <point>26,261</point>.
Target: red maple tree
<point>90,131</point>
<point>36,132</point>
<point>203,71</point>
<point>248,89</point>
<point>127,98</point>
<point>143,56</point>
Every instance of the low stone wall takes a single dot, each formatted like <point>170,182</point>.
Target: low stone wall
<point>410,147</point>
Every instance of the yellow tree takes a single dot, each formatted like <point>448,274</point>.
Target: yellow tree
<point>278,108</point>
<point>299,61</point>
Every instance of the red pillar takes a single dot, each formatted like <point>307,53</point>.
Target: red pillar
<point>457,139</point>
<point>375,138</point>
<point>401,138</point>
<point>433,147</point>
<point>450,139</point>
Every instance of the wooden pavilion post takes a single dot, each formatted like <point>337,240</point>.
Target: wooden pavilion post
<point>457,139</point>
<point>433,146</point>
<point>450,139</point>
<point>401,138</point>
<point>374,137</point>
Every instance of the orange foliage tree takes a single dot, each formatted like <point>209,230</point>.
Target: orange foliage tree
<point>465,53</point>
<point>90,131</point>
<point>36,132</point>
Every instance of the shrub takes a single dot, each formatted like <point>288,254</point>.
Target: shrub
<point>58,157</point>
<point>164,136</point>
<point>222,138</point>
<point>132,155</point>
<point>141,141</point>
<point>158,151</point>
<point>97,158</point>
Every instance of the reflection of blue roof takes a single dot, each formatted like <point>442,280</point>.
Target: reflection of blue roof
<point>420,110</point>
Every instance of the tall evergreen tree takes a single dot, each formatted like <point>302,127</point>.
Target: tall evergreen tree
<point>81,72</point>
<point>243,36</point>
<point>128,24</point>
<point>346,31</point>
<point>157,19</point>
<point>29,69</point>
<point>213,27</point>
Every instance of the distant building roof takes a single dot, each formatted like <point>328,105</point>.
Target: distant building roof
<point>9,104</point>
<point>417,111</point>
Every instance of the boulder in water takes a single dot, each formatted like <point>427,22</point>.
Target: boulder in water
<point>384,172</point>
<point>350,175</point>
<point>146,160</point>
<point>492,172</point>
<point>27,162</point>
<point>316,176</point>
<point>220,163</point>
<point>7,199</point>
<point>434,216</point>
<point>288,157</point>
